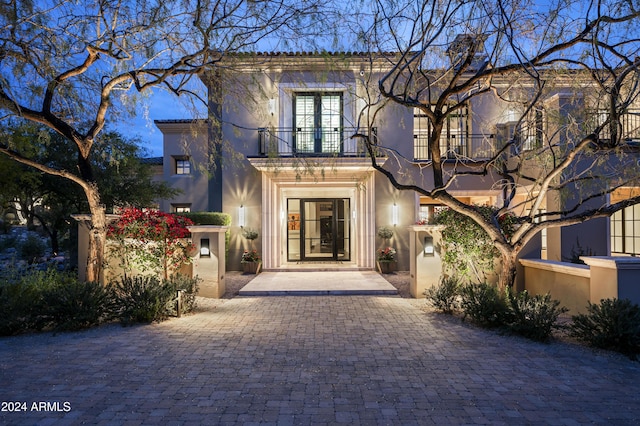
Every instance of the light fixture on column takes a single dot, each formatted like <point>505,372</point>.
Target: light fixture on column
<point>204,247</point>
<point>241,216</point>
<point>271,106</point>
<point>394,214</point>
<point>428,246</point>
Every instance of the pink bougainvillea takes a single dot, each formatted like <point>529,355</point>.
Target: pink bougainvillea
<point>151,240</point>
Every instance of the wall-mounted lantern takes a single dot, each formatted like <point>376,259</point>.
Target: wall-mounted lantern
<point>428,246</point>
<point>204,248</point>
<point>271,106</point>
<point>241,216</point>
<point>394,214</point>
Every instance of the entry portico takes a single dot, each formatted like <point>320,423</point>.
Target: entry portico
<point>325,213</point>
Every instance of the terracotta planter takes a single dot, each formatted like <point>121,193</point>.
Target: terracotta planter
<point>387,267</point>
<point>251,267</point>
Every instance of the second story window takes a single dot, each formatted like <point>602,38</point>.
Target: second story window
<point>531,130</point>
<point>183,166</point>
<point>317,123</point>
<point>453,139</point>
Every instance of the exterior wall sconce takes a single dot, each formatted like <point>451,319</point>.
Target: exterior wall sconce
<point>428,247</point>
<point>271,106</point>
<point>394,214</point>
<point>241,216</point>
<point>204,248</point>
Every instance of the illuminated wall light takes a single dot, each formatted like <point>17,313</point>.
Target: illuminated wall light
<point>271,106</point>
<point>394,214</point>
<point>428,246</point>
<point>204,247</point>
<point>241,221</point>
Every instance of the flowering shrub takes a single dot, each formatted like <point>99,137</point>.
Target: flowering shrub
<point>250,256</point>
<point>387,254</point>
<point>151,240</point>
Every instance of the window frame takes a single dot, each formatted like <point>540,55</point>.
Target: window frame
<point>317,134</point>
<point>179,165</point>
<point>624,231</point>
<point>180,207</point>
<point>448,150</point>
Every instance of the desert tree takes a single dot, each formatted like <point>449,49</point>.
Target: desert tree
<point>566,74</point>
<point>74,65</point>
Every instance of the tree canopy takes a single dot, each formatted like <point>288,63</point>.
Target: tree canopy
<point>70,65</point>
<point>555,164</point>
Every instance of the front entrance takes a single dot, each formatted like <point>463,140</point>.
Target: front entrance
<point>318,229</point>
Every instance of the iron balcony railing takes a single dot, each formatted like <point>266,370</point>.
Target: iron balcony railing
<point>474,147</point>
<point>347,141</point>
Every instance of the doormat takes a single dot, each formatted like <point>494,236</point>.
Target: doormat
<point>319,262</point>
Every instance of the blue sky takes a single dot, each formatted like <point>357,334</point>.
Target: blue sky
<point>160,105</point>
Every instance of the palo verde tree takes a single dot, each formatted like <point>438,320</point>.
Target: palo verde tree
<point>72,65</point>
<point>566,74</point>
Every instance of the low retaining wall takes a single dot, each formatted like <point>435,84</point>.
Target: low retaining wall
<point>603,277</point>
<point>567,282</point>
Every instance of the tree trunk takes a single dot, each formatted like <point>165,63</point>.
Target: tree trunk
<point>508,273</point>
<point>97,235</point>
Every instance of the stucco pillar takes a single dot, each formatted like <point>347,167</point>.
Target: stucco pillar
<point>209,262</point>
<point>614,277</point>
<point>425,268</point>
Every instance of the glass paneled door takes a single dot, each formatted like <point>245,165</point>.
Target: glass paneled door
<point>318,123</point>
<point>318,229</point>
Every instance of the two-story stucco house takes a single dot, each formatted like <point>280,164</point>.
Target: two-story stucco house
<point>288,161</point>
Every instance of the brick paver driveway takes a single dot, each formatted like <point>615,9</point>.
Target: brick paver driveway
<point>311,360</point>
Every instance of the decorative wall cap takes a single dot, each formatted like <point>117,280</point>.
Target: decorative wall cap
<point>612,262</point>
<point>207,228</point>
<point>555,266</point>
<point>87,217</point>
<point>426,227</point>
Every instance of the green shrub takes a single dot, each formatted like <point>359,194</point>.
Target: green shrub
<point>22,299</point>
<point>208,218</point>
<point>534,317</point>
<point>74,305</point>
<point>32,249</point>
<point>484,304</point>
<point>141,299</point>
<point>613,324</point>
<point>445,295</point>
<point>7,241</point>
<point>189,287</point>
<point>19,304</point>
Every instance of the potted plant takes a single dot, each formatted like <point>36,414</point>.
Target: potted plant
<point>385,233</point>
<point>251,262</point>
<point>386,260</point>
<point>250,258</point>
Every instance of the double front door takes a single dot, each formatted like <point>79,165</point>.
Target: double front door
<point>318,229</point>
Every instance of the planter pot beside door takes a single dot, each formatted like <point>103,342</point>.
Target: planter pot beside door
<point>251,267</point>
<point>386,267</point>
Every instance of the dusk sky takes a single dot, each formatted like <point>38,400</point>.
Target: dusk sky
<point>161,105</point>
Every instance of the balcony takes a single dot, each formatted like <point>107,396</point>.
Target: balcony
<point>338,141</point>
<point>455,147</point>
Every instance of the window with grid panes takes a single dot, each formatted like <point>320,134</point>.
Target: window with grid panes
<point>625,230</point>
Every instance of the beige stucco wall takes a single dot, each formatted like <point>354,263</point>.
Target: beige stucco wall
<point>185,138</point>
<point>425,271</point>
<point>567,282</point>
